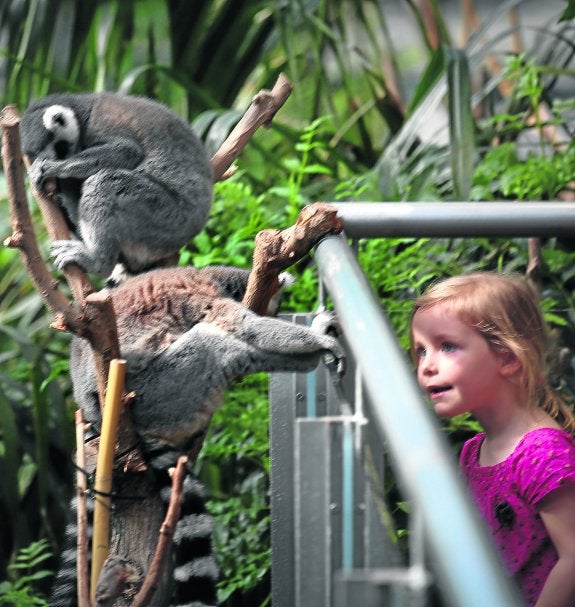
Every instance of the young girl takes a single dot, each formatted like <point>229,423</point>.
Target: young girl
<point>480,345</point>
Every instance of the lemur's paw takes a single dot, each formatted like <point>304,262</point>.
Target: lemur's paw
<point>67,252</point>
<point>326,323</point>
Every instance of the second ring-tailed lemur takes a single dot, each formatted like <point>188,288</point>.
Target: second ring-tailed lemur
<point>133,179</point>
<point>185,337</point>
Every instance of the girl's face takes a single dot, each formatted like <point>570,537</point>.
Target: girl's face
<point>455,365</point>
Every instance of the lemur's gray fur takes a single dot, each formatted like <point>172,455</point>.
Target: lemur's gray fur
<point>133,178</point>
<point>185,338</point>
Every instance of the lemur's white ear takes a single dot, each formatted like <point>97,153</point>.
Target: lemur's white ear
<point>286,280</point>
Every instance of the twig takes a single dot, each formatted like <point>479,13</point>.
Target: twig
<point>82,516</point>
<point>263,108</point>
<point>534,264</point>
<point>164,544</point>
<point>275,251</point>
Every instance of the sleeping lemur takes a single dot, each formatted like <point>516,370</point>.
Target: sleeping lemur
<point>185,337</point>
<point>134,180</point>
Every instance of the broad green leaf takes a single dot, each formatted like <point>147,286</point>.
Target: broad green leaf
<point>461,124</point>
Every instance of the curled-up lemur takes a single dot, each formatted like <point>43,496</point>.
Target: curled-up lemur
<point>133,179</point>
<point>186,337</point>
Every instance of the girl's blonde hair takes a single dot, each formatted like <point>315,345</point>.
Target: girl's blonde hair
<point>505,310</point>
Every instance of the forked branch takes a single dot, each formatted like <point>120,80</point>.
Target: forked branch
<point>277,250</point>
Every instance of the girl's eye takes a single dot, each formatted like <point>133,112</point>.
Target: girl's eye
<point>420,352</point>
<point>448,347</point>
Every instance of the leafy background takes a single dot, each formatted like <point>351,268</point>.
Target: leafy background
<point>474,106</point>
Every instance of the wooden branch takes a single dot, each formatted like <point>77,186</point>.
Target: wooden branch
<point>57,229</point>
<point>535,261</point>
<point>275,251</point>
<point>67,315</point>
<point>81,516</point>
<point>164,544</point>
<point>102,334</point>
<point>263,108</point>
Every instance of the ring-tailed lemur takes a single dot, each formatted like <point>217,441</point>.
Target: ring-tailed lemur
<point>133,179</point>
<point>185,337</point>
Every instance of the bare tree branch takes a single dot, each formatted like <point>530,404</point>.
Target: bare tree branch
<point>67,315</point>
<point>92,316</point>
<point>263,108</point>
<point>275,251</point>
<point>164,544</point>
<point>82,516</point>
<point>57,229</point>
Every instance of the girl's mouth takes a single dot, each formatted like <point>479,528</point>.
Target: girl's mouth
<point>437,391</point>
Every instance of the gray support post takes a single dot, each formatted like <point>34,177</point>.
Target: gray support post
<point>315,548</point>
<point>282,424</point>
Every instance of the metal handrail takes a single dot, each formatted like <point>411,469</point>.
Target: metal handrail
<point>434,219</point>
<point>469,568</point>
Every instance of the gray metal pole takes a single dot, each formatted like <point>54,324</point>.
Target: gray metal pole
<point>433,219</point>
<point>470,571</point>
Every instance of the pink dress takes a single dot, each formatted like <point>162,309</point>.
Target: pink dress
<point>507,495</point>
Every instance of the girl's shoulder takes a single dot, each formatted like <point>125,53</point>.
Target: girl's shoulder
<point>546,439</point>
<point>544,460</point>
<point>536,445</point>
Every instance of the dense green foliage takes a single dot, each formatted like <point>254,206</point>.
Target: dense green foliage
<point>350,131</point>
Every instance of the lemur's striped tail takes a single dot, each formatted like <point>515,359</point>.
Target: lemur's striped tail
<point>64,589</point>
<point>195,568</point>
<point>195,572</point>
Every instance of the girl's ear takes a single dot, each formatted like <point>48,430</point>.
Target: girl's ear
<point>510,364</point>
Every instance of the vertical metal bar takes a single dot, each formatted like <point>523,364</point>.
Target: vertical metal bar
<point>347,497</point>
<point>282,421</point>
<point>311,394</point>
<point>419,578</point>
<point>466,559</point>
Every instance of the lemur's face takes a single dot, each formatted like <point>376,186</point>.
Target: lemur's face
<point>50,132</point>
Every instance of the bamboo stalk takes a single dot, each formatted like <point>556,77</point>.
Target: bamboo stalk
<point>104,472</point>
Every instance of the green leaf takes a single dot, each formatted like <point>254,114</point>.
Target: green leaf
<point>461,124</point>
<point>435,67</point>
<point>10,462</point>
<point>569,12</point>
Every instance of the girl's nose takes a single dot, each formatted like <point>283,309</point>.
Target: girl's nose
<point>428,365</point>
